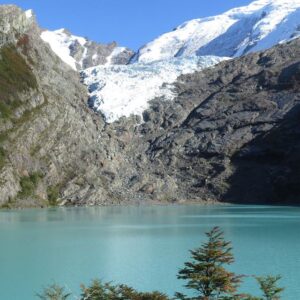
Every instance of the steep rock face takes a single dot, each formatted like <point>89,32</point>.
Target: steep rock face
<point>267,168</point>
<point>232,133</point>
<point>13,23</point>
<point>47,131</point>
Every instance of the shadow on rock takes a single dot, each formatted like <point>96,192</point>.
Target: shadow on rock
<point>267,170</point>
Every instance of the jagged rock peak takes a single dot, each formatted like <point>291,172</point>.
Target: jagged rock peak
<point>81,53</point>
<point>13,23</point>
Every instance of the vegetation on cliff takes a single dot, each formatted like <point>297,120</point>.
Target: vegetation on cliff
<point>16,76</point>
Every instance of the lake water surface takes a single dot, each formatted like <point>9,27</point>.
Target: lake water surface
<point>141,246</point>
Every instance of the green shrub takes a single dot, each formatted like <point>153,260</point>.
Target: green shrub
<point>35,178</point>
<point>29,184</point>
<point>2,157</point>
<point>15,77</point>
<point>53,194</point>
<point>3,136</point>
<point>9,204</point>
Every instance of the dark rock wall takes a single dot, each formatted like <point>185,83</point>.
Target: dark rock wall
<point>232,133</point>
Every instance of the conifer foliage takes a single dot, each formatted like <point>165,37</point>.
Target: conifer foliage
<point>269,287</point>
<point>206,273</point>
<point>108,291</point>
<point>54,292</point>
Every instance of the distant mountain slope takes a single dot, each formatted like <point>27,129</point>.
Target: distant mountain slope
<point>258,26</point>
<point>80,53</point>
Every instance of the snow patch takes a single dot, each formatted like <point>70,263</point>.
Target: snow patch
<point>125,90</point>
<point>60,42</point>
<point>29,13</point>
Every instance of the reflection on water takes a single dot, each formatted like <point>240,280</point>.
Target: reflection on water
<point>140,246</point>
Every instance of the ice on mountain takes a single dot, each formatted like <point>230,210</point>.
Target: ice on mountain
<point>122,90</point>
<point>260,25</point>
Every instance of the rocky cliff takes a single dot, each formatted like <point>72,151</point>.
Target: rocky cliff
<point>47,131</point>
<point>231,133</point>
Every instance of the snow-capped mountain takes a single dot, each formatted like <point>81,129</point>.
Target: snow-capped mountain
<point>126,90</point>
<point>80,53</point>
<point>258,26</point>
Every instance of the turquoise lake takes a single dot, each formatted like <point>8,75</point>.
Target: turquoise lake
<point>141,246</point>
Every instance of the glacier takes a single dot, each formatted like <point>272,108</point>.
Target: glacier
<point>258,26</point>
<point>124,90</point>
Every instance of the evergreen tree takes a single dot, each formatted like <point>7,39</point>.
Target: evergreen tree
<point>269,287</point>
<point>206,274</point>
<point>98,291</point>
<point>54,292</point>
<point>108,291</point>
<point>128,293</point>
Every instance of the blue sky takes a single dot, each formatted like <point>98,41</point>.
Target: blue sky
<point>131,23</point>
